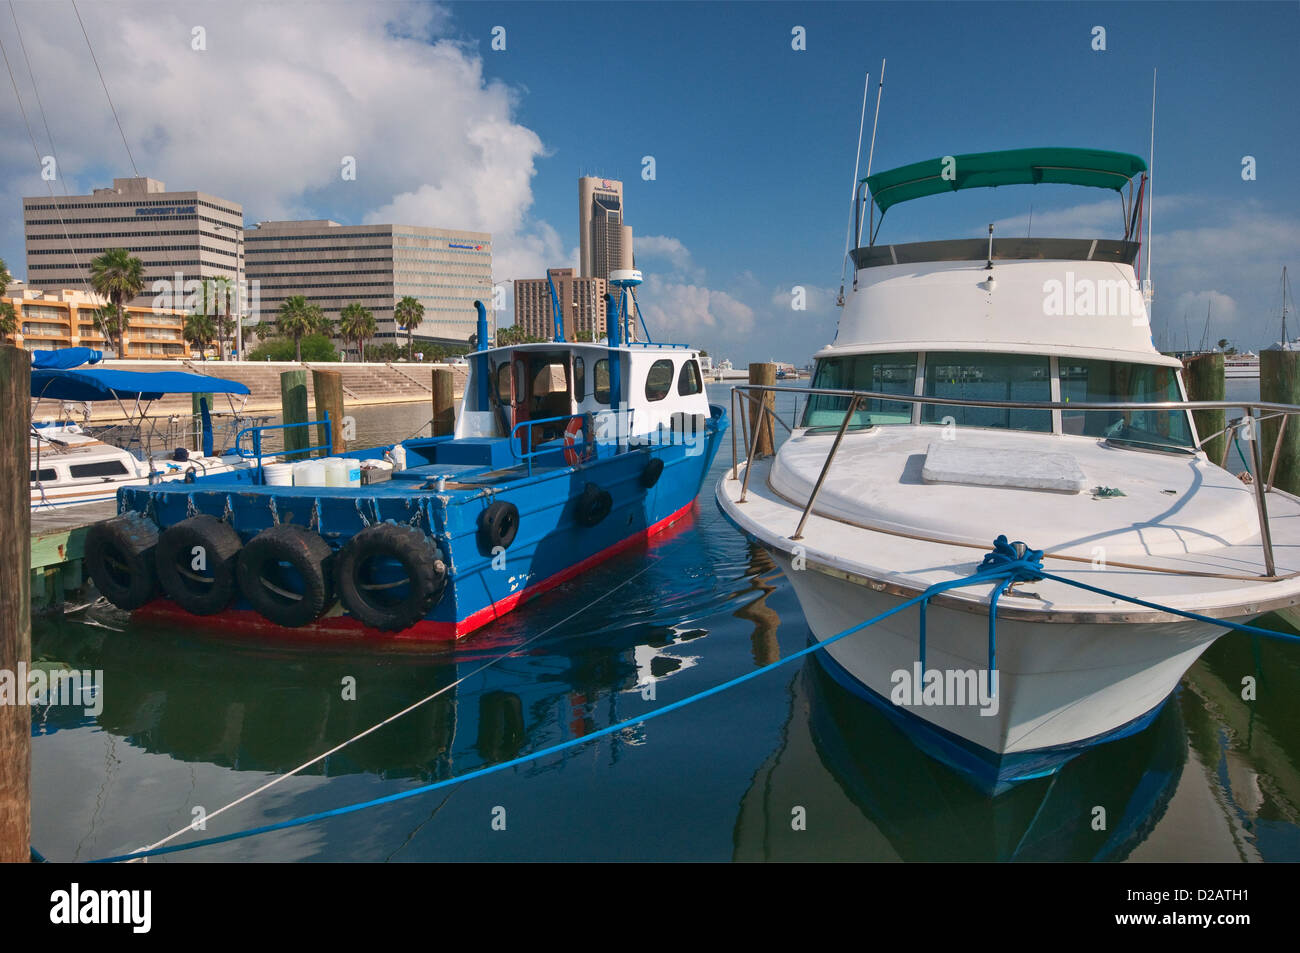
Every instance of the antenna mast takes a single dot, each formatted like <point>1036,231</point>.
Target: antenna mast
<point>853,195</point>
<point>1148,291</point>
<point>871,153</point>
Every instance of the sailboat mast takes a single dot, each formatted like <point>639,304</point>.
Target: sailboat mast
<point>1284,337</point>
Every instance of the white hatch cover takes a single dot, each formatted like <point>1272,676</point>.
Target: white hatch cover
<point>951,461</point>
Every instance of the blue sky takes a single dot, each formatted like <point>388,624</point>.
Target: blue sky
<point>753,141</point>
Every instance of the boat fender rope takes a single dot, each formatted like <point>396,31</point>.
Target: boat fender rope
<point>615,728</point>
<point>620,726</point>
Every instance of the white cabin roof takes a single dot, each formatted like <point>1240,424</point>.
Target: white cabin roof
<point>1069,307</point>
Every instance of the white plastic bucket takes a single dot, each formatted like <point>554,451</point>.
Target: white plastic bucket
<point>309,473</point>
<point>336,471</point>
<point>278,474</point>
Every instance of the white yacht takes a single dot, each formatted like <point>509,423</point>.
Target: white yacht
<point>989,347</point>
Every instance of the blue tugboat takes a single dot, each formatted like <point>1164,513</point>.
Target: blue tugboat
<point>563,454</point>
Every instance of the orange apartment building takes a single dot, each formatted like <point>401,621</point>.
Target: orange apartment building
<point>50,320</point>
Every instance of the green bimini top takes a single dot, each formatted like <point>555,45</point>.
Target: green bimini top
<point>981,170</point>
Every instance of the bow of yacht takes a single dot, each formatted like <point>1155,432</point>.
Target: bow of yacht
<point>980,388</point>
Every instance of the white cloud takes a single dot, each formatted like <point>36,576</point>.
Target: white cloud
<point>677,311</point>
<point>669,250</point>
<point>267,112</point>
<point>816,299</point>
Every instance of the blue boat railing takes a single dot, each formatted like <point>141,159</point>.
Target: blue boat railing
<point>255,452</point>
<point>588,437</point>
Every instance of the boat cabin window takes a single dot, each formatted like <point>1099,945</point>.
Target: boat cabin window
<point>688,381</point>
<point>503,383</point>
<point>882,373</point>
<point>579,379</point>
<point>99,468</point>
<point>601,387</point>
<point>1113,381</point>
<point>981,376</point>
<point>659,381</point>
<point>45,476</point>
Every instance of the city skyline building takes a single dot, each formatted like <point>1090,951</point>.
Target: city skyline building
<point>180,237</point>
<point>334,265</point>
<point>604,239</point>
<point>582,301</point>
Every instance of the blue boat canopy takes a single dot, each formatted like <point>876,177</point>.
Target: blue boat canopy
<point>66,357</point>
<point>108,384</point>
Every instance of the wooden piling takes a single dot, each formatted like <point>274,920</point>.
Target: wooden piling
<point>15,606</point>
<point>1279,382</point>
<point>293,410</point>
<point>329,399</point>
<point>444,401</point>
<point>196,419</point>
<point>762,374</point>
<point>1203,375</point>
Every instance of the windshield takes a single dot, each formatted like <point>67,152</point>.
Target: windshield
<point>882,373</point>
<point>1112,381</point>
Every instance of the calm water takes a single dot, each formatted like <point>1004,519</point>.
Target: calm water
<point>196,719</point>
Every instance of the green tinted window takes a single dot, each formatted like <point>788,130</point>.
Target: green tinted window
<point>601,381</point>
<point>881,373</point>
<point>1112,381</point>
<point>978,376</point>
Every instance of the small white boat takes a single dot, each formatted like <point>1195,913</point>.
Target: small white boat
<point>1241,366</point>
<point>70,467</point>
<point>977,389</point>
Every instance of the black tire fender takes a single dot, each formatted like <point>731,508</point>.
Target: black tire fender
<point>497,525</point>
<point>652,472</point>
<point>382,605</point>
<point>203,591</point>
<point>120,559</point>
<point>258,570</point>
<point>594,505</point>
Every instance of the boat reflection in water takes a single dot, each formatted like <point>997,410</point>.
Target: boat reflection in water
<point>886,800</point>
<point>254,706</point>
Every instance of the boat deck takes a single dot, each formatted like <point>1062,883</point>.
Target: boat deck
<point>950,527</point>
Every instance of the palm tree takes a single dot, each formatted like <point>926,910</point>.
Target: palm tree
<point>200,330</point>
<point>409,312</point>
<point>297,319</point>
<point>357,324</point>
<point>8,314</point>
<point>117,276</point>
<point>218,301</point>
<point>8,319</point>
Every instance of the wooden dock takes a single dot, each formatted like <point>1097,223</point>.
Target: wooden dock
<point>58,551</point>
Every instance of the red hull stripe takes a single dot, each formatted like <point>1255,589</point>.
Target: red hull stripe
<point>164,610</point>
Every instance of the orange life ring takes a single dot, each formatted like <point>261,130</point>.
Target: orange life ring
<point>576,426</point>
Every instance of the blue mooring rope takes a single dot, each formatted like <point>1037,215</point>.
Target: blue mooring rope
<point>1007,563</point>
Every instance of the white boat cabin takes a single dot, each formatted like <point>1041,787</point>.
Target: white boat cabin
<point>633,393</point>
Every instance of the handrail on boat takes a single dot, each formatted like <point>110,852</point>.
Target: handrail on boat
<point>529,455</point>
<point>1256,412</point>
<point>256,451</point>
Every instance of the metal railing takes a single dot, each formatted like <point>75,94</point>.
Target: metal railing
<point>588,438</point>
<point>1256,412</point>
<point>256,450</point>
